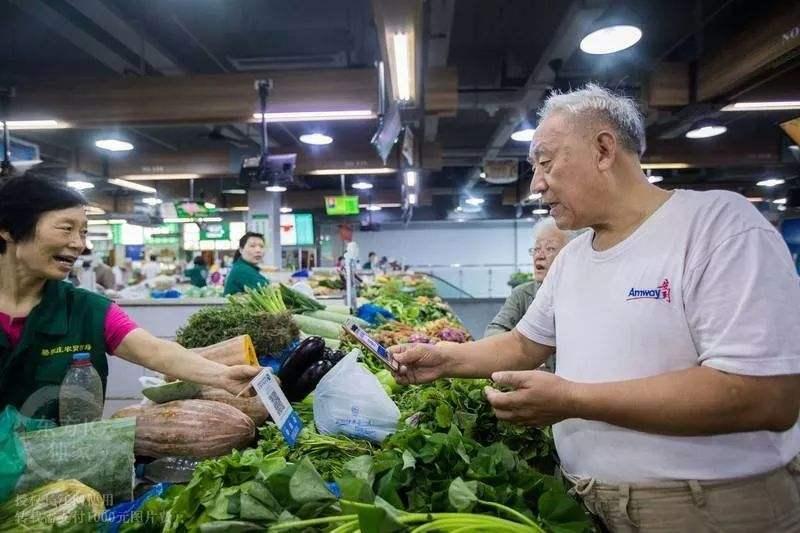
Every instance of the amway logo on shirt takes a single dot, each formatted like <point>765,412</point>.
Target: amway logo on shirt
<point>662,292</point>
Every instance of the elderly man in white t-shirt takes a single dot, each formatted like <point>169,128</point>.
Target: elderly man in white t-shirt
<point>677,320</point>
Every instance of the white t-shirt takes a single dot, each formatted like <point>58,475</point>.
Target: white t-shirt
<point>151,270</point>
<point>706,280</point>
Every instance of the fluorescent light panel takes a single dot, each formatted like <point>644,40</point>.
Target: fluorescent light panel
<point>187,220</point>
<point>763,106</point>
<point>308,116</point>
<point>114,145</point>
<point>663,166</point>
<point>387,206</point>
<point>35,125</point>
<point>351,171</point>
<point>80,185</point>
<point>403,65</point>
<point>411,178</point>
<point>160,177</point>
<point>119,182</point>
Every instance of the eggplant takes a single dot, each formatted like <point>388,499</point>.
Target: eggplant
<point>306,354</point>
<point>306,384</point>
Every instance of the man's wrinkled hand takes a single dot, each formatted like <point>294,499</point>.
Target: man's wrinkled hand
<point>538,398</point>
<point>418,363</point>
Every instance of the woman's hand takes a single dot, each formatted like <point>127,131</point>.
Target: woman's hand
<point>236,379</point>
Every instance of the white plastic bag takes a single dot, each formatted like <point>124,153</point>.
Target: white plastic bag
<point>350,400</point>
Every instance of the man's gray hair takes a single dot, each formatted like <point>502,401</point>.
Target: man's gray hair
<point>597,103</point>
<point>550,223</point>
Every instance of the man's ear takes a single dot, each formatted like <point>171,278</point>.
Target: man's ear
<point>606,144</point>
<point>6,236</point>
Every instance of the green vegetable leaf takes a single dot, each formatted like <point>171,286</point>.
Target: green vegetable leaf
<point>444,416</point>
<point>306,485</point>
<point>229,526</point>
<point>560,511</point>
<point>252,509</point>
<point>355,489</point>
<point>379,518</point>
<point>409,461</point>
<point>361,468</point>
<point>462,494</point>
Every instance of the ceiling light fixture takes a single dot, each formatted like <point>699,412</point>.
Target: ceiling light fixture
<point>534,196</point>
<point>781,208</point>
<point>524,135</point>
<point>152,201</point>
<point>474,201</point>
<point>540,211</point>
<point>210,205</point>
<point>114,145</point>
<point>410,178</point>
<point>286,209</point>
<point>131,185</point>
<point>773,182</point>
<point>362,185</point>
<point>386,206</point>
<point>80,185</point>
<point>655,179</point>
<point>403,65</point>
<point>412,198</point>
<point>483,174</point>
<point>705,129</point>
<point>351,171</point>
<point>240,208</point>
<point>234,191</point>
<point>309,116</point>
<point>92,210</point>
<point>664,166</point>
<point>372,207</point>
<point>754,199</point>
<point>779,201</point>
<point>34,125</point>
<point>188,220</point>
<point>763,106</point>
<point>160,177</point>
<point>617,29</point>
<point>275,188</point>
<point>317,139</point>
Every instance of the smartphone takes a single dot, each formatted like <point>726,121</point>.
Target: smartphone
<point>371,344</point>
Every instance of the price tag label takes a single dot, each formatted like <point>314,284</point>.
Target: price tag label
<point>370,344</point>
<point>279,409</point>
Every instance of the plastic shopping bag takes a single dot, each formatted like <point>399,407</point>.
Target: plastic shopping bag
<point>350,400</point>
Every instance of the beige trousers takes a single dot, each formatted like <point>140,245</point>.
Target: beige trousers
<point>767,502</point>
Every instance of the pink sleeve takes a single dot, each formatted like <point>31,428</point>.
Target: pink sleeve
<point>118,325</point>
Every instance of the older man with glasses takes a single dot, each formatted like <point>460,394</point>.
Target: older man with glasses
<point>677,320</point>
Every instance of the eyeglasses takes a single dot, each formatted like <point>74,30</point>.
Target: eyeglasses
<point>548,250</point>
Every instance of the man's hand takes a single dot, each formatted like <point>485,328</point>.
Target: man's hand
<point>538,399</point>
<point>236,379</point>
<point>419,363</point>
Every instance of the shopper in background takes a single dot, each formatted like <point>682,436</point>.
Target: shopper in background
<point>45,321</point>
<point>372,261</point>
<point>548,240</point>
<point>123,274</point>
<point>84,271</point>
<point>677,322</point>
<point>198,273</point>
<point>245,271</point>
<point>104,275</point>
<point>152,268</point>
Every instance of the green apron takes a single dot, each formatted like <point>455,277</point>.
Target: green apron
<point>67,321</point>
<point>243,274</point>
<point>197,276</point>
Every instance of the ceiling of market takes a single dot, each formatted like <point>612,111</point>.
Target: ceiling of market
<point>175,78</point>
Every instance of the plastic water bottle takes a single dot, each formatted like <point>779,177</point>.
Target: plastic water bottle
<point>80,398</point>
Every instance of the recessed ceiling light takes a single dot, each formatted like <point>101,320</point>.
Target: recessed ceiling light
<point>374,208</point>
<point>474,201</point>
<point>275,188</point>
<point>80,185</point>
<point>412,198</point>
<point>540,211</point>
<point>286,209</point>
<point>781,208</point>
<point>655,179</point>
<point>704,131</point>
<point>611,39</point>
<point>779,201</point>
<point>773,182</point>
<point>483,174</point>
<point>114,145</point>
<point>535,196</point>
<point>234,191</point>
<point>152,201</point>
<point>525,135</point>
<point>318,139</point>
<point>362,185</point>
<point>763,106</point>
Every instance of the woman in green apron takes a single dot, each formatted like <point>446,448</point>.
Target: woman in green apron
<point>245,272</point>
<point>44,321</point>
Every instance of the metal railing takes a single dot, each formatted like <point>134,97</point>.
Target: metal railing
<point>476,281</point>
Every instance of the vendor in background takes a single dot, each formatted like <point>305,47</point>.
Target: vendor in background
<point>123,274</point>
<point>547,242</point>
<point>151,269</point>
<point>45,321</point>
<point>372,262</point>
<point>198,273</point>
<point>104,274</point>
<point>245,272</point>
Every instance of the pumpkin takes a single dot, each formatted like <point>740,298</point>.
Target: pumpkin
<point>251,406</point>
<point>189,428</point>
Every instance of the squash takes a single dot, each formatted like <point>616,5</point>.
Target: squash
<point>169,392</point>
<point>190,428</point>
<point>55,504</point>
<point>251,406</point>
<point>236,351</point>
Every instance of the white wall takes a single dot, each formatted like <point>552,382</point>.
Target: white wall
<point>485,252</point>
